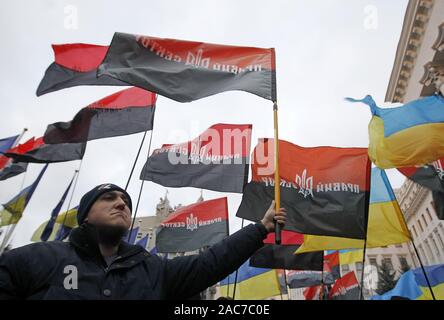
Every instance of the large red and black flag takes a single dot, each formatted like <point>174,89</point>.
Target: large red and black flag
<point>8,167</point>
<point>125,112</point>
<point>346,288</point>
<point>193,227</point>
<point>186,70</point>
<point>431,177</point>
<point>37,151</point>
<point>324,189</point>
<point>216,160</point>
<point>75,65</point>
<point>282,256</point>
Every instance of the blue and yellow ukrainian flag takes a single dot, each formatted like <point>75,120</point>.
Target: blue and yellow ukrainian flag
<point>13,210</point>
<point>67,219</point>
<point>413,285</point>
<point>252,283</point>
<point>386,224</point>
<point>405,136</point>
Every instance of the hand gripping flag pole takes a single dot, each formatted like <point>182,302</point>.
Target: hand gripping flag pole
<point>277,181</point>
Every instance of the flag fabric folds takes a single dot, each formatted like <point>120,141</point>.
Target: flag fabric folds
<point>430,176</point>
<point>386,225</point>
<point>216,160</point>
<point>8,167</point>
<point>13,169</point>
<point>13,210</point>
<point>408,135</point>
<point>351,256</point>
<point>303,278</point>
<point>324,189</point>
<point>413,285</point>
<point>37,151</point>
<point>75,65</point>
<point>252,283</point>
<point>125,112</point>
<point>6,144</point>
<point>63,225</point>
<point>143,242</point>
<point>131,237</point>
<point>313,293</point>
<point>345,288</point>
<point>331,267</point>
<point>185,70</point>
<point>194,226</point>
<point>282,256</point>
<point>55,212</point>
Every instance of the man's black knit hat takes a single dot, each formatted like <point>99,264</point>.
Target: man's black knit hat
<point>91,196</point>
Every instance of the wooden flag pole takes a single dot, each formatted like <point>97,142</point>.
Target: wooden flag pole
<point>277,181</point>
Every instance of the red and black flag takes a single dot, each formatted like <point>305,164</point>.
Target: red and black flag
<point>216,160</point>
<point>8,167</point>
<point>125,112</point>
<point>282,256</point>
<point>37,151</point>
<point>186,70</point>
<point>331,267</point>
<point>324,189</point>
<point>313,293</point>
<point>193,227</point>
<point>345,288</point>
<point>431,177</point>
<point>75,65</point>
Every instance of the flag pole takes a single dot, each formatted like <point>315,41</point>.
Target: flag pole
<point>6,232</point>
<point>74,187</point>
<point>20,137</point>
<point>237,270</point>
<point>135,160</point>
<point>140,190</point>
<point>76,176</point>
<point>10,228</point>
<point>422,267</point>
<point>419,258</point>
<point>321,292</point>
<point>277,181</point>
<point>286,285</point>
<point>367,209</point>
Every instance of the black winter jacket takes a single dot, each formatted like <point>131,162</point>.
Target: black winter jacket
<point>42,270</point>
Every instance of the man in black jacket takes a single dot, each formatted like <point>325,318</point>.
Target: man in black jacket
<point>96,264</point>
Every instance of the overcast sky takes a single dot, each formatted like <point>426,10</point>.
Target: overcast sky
<point>325,50</point>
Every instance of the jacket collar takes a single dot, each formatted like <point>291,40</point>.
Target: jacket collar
<point>84,239</point>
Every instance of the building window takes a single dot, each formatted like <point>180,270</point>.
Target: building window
<point>423,256</point>
<point>414,232</point>
<point>358,267</point>
<point>429,250</point>
<point>373,262</point>
<point>388,262</point>
<point>438,252</point>
<point>345,268</point>
<point>439,239</point>
<point>420,226</point>
<point>403,262</point>
<point>424,220</point>
<point>429,215</point>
